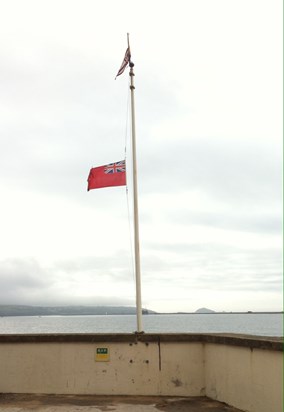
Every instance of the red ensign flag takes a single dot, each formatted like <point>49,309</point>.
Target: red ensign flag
<point>113,174</point>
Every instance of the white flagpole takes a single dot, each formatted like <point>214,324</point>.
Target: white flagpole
<point>135,202</point>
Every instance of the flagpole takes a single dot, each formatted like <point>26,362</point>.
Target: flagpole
<point>135,202</point>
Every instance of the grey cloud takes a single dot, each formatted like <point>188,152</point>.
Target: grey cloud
<point>21,272</point>
<point>25,281</point>
<point>63,120</point>
<point>255,221</point>
<point>70,116</point>
<point>22,280</point>
<point>156,101</point>
<point>222,169</point>
<point>117,267</point>
<point>62,113</point>
<point>216,267</point>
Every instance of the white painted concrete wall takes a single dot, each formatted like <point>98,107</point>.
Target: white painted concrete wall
<point>247,379</point>
<point>251,380</point>
<point>133,369</point>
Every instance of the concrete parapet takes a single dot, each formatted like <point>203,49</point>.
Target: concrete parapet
<point>243,371</point>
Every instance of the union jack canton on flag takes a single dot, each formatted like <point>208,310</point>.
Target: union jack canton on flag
<point>117,167</point>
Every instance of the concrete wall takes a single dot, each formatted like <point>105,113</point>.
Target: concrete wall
<point>243,372</point>
<point>250,379</point>
<point>133,368</point>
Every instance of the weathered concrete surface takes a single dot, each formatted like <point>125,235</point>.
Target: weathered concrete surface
<point>248,341</point>
<point>244,371</point>
<point>71,403</point>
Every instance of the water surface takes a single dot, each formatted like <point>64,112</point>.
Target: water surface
<point>252,324</point>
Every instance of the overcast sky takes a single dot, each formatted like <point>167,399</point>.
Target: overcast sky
<point>208,77</point>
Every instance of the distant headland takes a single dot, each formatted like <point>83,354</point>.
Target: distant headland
<point>26,310</point>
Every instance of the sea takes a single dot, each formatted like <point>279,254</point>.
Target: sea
<point>264,324</point>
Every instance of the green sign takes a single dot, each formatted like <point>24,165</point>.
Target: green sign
<point>102,355</point>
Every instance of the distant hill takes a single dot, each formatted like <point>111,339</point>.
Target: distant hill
<point>20,310</point>
<point>204,310</point>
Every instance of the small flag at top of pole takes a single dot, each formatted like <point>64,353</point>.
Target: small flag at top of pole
<point>125,61</point>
